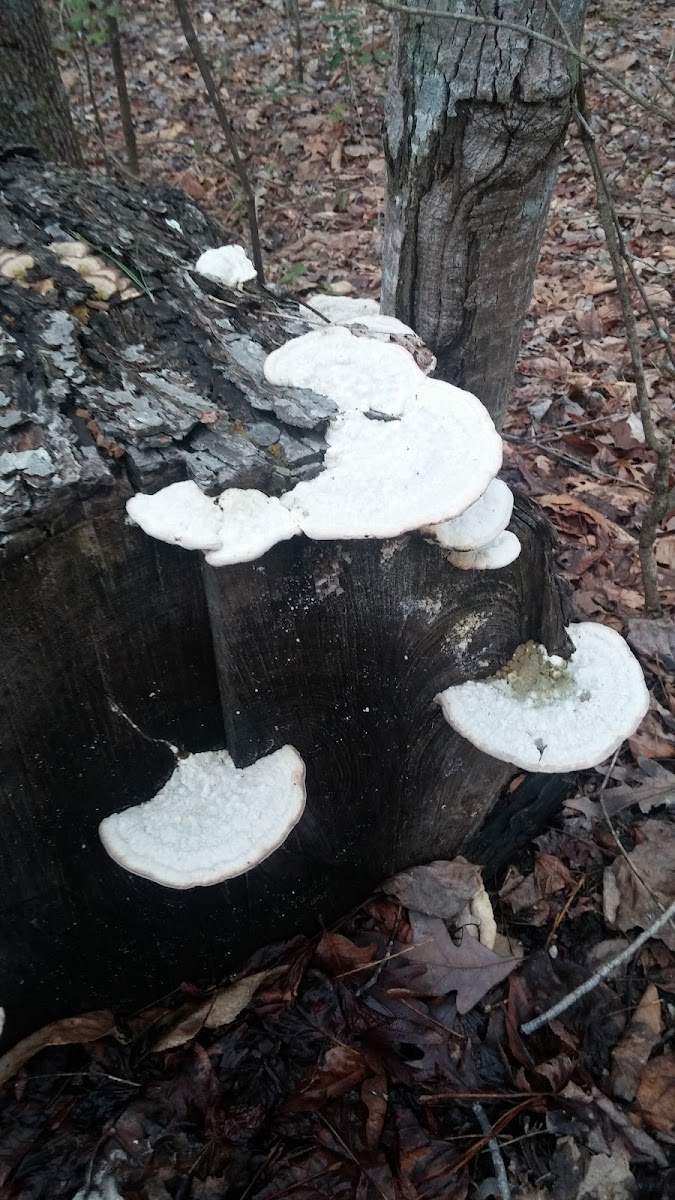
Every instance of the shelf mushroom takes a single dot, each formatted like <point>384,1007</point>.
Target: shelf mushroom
<point>211,821</point>
<point>478,538</point>
<point>426,454</point>
<point>546,715</point>
<point>240,525</point>
<point>499,553</point>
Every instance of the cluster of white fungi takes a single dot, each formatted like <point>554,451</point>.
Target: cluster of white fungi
<point>404,453</point>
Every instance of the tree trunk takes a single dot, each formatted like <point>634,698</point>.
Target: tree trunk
<point>335,648</point>
<point>475,122</point>
<point>34,110</point>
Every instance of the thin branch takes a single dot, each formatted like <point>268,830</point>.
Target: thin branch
<point>494,22</point>
<point>629,258</point>
<point>293,14</point>
<point>496,1154</point>
<point>570,460</point>
<point>214,96</point>
<point>660,446</point>
<point>122,93</point>
<point>94,102</point>
<point>619,844</point>
<point>601,974</point>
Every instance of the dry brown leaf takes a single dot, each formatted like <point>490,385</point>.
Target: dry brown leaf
<point>469,969</point>
<point>440,889</point>
<point>654,639</point>
<point>565,502</point>
<point>631,1055</point>
<point>87,1028</point>
<point>220,1008</point>
<point>626,902</point>
<point>341,1069</point>
<point>656,1093</point>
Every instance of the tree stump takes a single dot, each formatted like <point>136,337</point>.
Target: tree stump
<point>335,648</point>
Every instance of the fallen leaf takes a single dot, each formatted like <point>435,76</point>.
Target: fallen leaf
<point>440,889</point>
<point>656,1093</point>
<point>653,639</point>
<point>626,902</point>
<point>87,1028</point>
<point>220,1008</point>
<point>469,969</point>
<point>341,1069</point>
<point>631,1055</point>
<point>656,787</point>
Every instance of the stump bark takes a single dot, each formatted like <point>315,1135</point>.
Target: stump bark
<point>337,648</point>
<point>475,123</point>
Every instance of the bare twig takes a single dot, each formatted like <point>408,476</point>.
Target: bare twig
<point>122,93</point>
<point>494,22</point>
<point>495,1153</point>
<point>586,468</point>
<point>619,844</point>
<point>93,101</point>
<point>629,258</point>
<point>293,13</point>
<point>214,96</point>
<point>660,446</point>
<point>602,973</point>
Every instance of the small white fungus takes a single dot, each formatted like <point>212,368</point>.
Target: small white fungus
<point>546,718</point>
<point>480,524</point>
<point>210,821</point>
<point>499,553</point>
<point>229,265</point>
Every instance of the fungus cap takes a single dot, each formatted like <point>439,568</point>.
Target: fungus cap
<point>229,265</point>
<point>339,309</point>
<point>251,523</point>
<point>179,514</point>
<point>210,821</point>
<point>497,554</point>
<point>384,478</point>
<point>240,525</point>
<point>545,715</point>
<point>479,524</point>
<point>359,374</point>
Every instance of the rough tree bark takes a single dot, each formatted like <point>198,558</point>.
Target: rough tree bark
<point>34,110</point>
<point>475,122</point>
<point>337,648</point>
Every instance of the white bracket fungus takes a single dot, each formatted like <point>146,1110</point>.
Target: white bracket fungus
<point>384,478</point>
<point>229,265</point>
<point>240,525</point>
<point>380,477</point>
<point>359,374</point>
<point>210,821</point>
<point>479,524</point>
<point>499,553</point>
<point>544,714</point>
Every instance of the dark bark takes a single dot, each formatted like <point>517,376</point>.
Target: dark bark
<point>335,648</point>
<point>475,122</point>
<point>34,109</point>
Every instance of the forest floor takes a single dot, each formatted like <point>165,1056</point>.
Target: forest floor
<point>364,1063</point>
